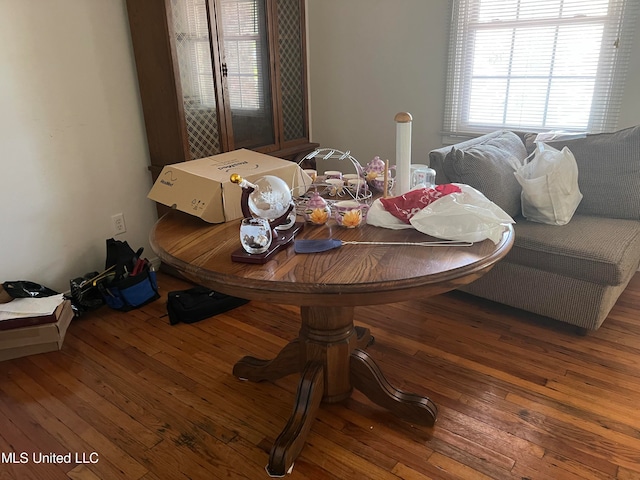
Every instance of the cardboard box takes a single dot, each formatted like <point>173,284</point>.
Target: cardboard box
<point>30,321</point>
<point>202,187</point>
<point>19,342</point>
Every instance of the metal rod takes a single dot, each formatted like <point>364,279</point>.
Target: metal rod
<point>443,243</point>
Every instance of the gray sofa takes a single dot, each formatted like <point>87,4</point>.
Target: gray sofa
<point>575,272</point>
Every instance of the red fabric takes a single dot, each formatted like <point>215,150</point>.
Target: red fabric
<point>406,206</point>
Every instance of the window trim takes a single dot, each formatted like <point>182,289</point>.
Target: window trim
<point>619,26</point>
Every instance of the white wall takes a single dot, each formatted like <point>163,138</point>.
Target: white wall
<point>72,144</point>
<point>370,59</point>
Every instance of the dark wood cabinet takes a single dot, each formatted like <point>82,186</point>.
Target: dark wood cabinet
<point>217,75</point>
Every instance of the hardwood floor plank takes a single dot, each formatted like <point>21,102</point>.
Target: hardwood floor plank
<point>18,426</point>
<point>350,465</point>
<point>406,473</point>
<point>82,472</point>
<point>381,430</point>
<point>74,440</point>
<point>98,438</point>
<point>612,449</point>
<point>19,453</point>
<point>100,407</point>
<point>536,428</point>
<point>624,474</point>
<point>459,470</point>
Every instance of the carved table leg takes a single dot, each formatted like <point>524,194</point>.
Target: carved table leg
<point>367,377</point>
<point>289,443</point>
<point>285,363</point>
<point>328,336</point>
<point>330,353</point>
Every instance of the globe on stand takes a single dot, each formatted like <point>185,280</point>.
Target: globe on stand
<point>268,198</point>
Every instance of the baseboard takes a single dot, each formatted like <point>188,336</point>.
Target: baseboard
<point>155,262</point>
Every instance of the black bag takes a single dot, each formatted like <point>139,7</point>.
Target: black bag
<point>198,303</point>
<point>133,283</point>
<point>84,294</point>
<point>27,289</point>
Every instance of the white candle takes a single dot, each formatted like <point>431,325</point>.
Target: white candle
<point>403,153</point>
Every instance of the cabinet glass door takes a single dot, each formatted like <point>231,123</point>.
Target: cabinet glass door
<point>193,50</point>
<point>246,67</point>
<point>291,48</point>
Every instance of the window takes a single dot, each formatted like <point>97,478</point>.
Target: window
<point>537,64</point>
<point>245,47</point>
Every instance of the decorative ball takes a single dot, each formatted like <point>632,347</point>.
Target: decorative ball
<point>271,198</point>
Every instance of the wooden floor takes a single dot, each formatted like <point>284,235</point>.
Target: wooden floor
<point>519,397</point>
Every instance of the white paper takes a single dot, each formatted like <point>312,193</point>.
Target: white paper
<point>30,307</point>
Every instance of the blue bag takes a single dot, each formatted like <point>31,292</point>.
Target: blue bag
<point>133,283</point>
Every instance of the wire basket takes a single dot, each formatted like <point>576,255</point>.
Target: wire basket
<point>359,193</point>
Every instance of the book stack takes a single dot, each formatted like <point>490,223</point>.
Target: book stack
<point>33,325</point>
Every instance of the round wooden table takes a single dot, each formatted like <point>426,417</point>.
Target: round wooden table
<point>329,352</point>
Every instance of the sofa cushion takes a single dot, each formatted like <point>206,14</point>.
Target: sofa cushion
<point>488,167</point>
<point>608,172</point>
<point>595,249</point>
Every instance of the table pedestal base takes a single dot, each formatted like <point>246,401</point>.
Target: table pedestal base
<point>330,357</point>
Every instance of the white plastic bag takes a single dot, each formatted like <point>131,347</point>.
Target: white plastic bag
<point>550,192</point>
<point>379,217</point>
<point>467,216</point>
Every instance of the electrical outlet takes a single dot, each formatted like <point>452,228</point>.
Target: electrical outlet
<point>118,223</point>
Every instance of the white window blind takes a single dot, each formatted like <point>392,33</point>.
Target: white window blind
<point>194,52</point>
<point>537,64</point>
<point>243,44</point>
